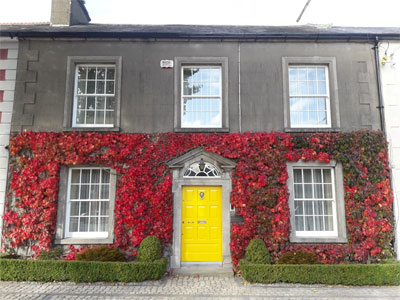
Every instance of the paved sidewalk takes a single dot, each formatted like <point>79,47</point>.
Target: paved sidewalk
<point>190,287</point>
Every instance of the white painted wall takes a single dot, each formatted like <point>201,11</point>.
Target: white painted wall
<point>390,76</point>
<point>8,86</point>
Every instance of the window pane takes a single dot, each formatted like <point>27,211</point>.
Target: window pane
<point>309,223</point>
<point>328,207</point>
<point>110,87</point>
<point>95,208</point>
<point>91,101</point>
<point>74,194</point>
<point>101,73</point>
<point>302,74</point>
<point>297,176</point>
<point>110,103</point>
<point>329,223</point>
<point>321,73</point>
<point>99,117</point>
<point>104,224</point>
<point>100,102</point>
<point>83,224</point>
<point>100,87</point>
<point>104,208</point>
<point>81,87</point>
<point>319,223</point>
<point>318,191</point>
<point>215,75</point>
<point>317,175</point>
<point>91,87</point>
<point>298,207</point>
<point>73,224</point>
<point>328,191</point>
<point>81,103</point>
<point>298,191</point>
<point>318,208</point>
<point>110,73</point>
<point>85,176</point>
<point>312,88</point>
<point>91,73</point>
<point>322,118</point>
<point>311,74</point>
<point>308,191</point>
<point>327,176</point>
<point>82,72</point>
<point>94,224</point>
<point>90,117</point>
<point>104,192</point>
<point>308,207</point>
<point>75,176</point>
<point>84,192</point>
<point>299,223</point>
<point>109,117</point>
<point>105,176</point>
<point>292,74</point>
<point>307,175</point>
<point>74,208</point>
<point>84,208</point>
<point>94,191</point>
<point>321,88</point>
<point>80,117</point>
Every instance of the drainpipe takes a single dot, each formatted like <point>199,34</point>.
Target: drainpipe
<point>378,79</point>
<point>239,99</point>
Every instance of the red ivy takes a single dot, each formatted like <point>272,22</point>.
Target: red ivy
<point>260,194</point>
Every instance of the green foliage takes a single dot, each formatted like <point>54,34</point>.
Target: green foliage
<point>150,249</point>
<point>257,252</point>
<point>80,271</point>
<point>102,253</point>
<point>52,254</point>
<point>352,274</point>
<point>299,258</point>
<point>9,255</point>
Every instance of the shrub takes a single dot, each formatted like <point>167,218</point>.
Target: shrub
<point>149,250</point>
<point>9,255</point>
<point>257,252</point>
<point>80,271</point>
<point>352,274</point>
<point>298,258</point>
<point>102,253</point>
<point>52,254</point>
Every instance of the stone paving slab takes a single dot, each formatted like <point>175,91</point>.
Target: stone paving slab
<point>190,287</point>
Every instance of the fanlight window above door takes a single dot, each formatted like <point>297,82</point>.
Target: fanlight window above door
<point>209,171</point>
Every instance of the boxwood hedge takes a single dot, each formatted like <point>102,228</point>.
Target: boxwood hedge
<point>80,271</point>
<point>350,274</point>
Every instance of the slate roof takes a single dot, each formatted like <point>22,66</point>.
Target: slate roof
<point>202,32</point>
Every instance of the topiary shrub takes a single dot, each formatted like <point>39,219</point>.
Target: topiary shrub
<point>257,252</point>
<point>102,253</point>
<point>150,249</point>
<point>52,254</point>
<point>299,258</point>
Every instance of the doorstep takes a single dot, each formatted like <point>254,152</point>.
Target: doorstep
<point>204,269</point>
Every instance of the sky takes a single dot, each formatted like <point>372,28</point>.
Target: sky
<point>366,13</point>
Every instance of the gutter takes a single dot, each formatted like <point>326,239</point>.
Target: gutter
<point>379,85</point>
<point>86,33</point>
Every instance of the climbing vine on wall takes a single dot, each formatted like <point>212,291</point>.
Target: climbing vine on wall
<point>260,194</point>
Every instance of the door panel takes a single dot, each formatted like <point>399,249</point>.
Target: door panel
<point>201,223</point>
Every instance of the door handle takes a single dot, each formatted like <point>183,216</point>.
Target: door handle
<point>202,222</point>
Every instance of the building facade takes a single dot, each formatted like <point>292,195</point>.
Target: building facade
<point>204,136</point>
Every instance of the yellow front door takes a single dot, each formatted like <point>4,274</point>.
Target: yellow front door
<point>201,223</point>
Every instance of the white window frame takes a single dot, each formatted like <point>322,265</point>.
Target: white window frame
<point>338,207</point>
<point>327,97</point>
<point>86,235</point>
<point>220,96</point>
<point>75,101</point>
<point>306,233</point>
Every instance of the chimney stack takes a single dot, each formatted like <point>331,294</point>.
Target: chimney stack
<point>68,13</point>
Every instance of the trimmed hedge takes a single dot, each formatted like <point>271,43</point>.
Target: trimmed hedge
<point>80,271</point>
<point>352,274</point>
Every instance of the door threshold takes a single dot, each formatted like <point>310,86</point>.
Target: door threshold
<point>204,268</point>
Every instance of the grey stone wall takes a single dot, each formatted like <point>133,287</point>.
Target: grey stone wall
<point>147,91</point>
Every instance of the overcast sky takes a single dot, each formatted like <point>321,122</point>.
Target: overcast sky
<point>230,12</point>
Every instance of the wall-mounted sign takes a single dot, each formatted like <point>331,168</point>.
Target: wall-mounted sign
<point>166,64</point>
